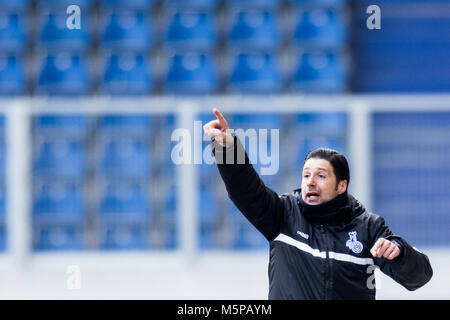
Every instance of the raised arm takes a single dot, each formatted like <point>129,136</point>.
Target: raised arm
<point>260,205</point>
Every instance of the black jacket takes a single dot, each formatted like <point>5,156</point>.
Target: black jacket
<point>316,259</point>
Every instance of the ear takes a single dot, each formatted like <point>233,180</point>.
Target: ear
<point>342,186</point>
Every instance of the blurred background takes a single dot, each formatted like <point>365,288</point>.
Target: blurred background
<point>87,116</point>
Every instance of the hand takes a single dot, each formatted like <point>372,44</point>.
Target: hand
<point>385,248</point>
<point>219,130</point>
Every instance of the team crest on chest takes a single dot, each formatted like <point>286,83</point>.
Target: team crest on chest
<point>354,244</point>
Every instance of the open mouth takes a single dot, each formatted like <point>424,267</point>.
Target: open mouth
<point>312,196</point>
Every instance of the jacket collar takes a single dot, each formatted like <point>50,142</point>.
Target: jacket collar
<point>340,210</point>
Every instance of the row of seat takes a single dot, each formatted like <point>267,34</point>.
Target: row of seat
<point>70,207</point>
<point>107,237</point>
<point>20,5</point>
<point>240,236</point>
<point>184,31</point>
<point>130,229</point>
<point>62,145</point>
<point>186,61</point>
<point>185,74</point>
<point>115,157</point>
<point>122,147</point>
<point>66,202</point>
<point>118,146</point>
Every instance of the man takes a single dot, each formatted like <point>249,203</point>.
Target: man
<point>323,242</point>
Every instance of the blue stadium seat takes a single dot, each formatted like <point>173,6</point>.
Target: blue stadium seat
<point>208,205</point>
<point>142,5</point>
<point>321,29</point>
<point>127,32</point>
<point>12,76</point>
<point>191,31</point>
<point>123,237</point>
<point>127,75</point>
<point>60,147</point>
<point>254,31</point>
<point>17,6</point>
<point>320,3</point>
<point>245,125</point>
<point>208,5</point>
<point>321,72</point>
<point>61,126</point>
<point>125,125</point>
<point>257,121</point>
<point>64,75</point>
<point>330,132</point>
<point>128,157</point>
<point>331,124</point>
<point>192,74</point>
<point>12,33</point>
<point>303,147</point>
<point>55,37</point>
<point>62,157</point>
<point>208,172</point>
<point>57,237</point>
<point>255,74</point>
<point>245,235</point>
<point>123,203</point>
<point>58,203</point>
<point>256,4</point>
<point>123,149</point>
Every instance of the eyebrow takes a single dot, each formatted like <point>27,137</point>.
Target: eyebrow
<point>317,169</point>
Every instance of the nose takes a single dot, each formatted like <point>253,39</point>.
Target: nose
<point>311,181</point>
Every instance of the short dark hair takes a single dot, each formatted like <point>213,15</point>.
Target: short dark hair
<point>337,161</point>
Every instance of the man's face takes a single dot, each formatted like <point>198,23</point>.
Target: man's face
<point>319,182</point>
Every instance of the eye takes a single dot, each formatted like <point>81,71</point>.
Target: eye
<point>321,176</point>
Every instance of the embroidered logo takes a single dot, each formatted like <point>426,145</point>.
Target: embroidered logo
<point>354,244</point>
<point>304,235</point>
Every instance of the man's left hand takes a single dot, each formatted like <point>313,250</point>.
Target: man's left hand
<point>385,248</point>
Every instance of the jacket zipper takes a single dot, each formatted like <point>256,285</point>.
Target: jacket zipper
<point>327,270</point>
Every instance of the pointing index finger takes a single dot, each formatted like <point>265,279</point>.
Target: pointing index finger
<point>219,116</point>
